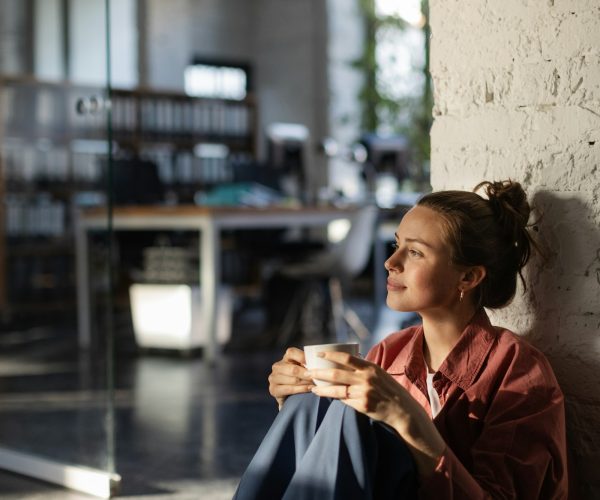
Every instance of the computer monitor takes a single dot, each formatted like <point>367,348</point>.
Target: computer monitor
<point>136,182</point>
<point>388,154</point>
<point>287,144</point>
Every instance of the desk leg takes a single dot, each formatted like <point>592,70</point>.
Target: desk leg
<point>210,277</point>
<point>83,287</point>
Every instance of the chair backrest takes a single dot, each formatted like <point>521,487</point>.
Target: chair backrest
<point>354,250</point>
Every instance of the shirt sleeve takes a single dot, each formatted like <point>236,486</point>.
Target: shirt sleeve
<point>521,452</point>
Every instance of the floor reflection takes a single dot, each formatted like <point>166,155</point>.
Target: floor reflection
<point>184,429</point>
<point>191,423</point>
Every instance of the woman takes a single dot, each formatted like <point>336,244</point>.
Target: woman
<point>478,409</point>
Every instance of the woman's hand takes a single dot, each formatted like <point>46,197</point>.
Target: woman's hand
<point>287,376</point>
<point>369,389</point>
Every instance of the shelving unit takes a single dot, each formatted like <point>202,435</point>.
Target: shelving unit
<point>52,157</point>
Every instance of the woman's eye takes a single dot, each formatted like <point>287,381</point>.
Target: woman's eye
<point>395,246</point>
<point>414,253</point>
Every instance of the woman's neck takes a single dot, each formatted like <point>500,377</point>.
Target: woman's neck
<point>442,332</point>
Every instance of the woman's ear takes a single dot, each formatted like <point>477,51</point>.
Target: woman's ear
<point>472,277</point>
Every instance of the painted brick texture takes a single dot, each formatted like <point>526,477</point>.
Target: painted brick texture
<point>517,95</point>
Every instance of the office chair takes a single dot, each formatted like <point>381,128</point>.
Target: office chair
<point>337,265</point>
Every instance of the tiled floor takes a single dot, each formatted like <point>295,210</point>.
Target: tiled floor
<point>184,429</point>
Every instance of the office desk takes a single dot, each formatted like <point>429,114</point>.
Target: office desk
<point>208,221</point>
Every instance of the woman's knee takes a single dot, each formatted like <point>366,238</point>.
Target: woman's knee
<point>306,398</point>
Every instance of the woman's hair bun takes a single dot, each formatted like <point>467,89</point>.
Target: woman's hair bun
<point>507,198</point>
<point>511,209</point>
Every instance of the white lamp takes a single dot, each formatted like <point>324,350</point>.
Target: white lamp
<point>168,316</point>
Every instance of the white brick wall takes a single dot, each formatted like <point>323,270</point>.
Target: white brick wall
<point>517,94</point>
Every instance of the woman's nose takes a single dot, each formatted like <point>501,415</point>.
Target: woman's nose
<point>394,262</point>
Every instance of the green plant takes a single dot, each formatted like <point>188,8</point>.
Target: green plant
<point>410,115</point>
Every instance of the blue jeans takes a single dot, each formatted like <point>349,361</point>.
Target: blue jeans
<point>322,449</point>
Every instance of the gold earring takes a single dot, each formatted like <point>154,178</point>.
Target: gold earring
<point>462,295</point>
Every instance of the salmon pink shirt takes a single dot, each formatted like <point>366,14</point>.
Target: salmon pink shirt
<point>502,413</point>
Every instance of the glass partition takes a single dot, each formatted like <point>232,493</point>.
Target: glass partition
<point>56,381</point>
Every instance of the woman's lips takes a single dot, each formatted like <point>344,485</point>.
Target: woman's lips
<point>393,286</point>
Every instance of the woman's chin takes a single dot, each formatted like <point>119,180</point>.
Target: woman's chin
<point>398,305</point>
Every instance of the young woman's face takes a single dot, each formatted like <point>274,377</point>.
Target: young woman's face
<point>421,276</point>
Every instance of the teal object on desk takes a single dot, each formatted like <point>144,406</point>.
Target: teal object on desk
<point>239,194</point>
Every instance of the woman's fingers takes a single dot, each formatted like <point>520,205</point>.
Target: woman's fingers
<point>279,391</point>
<point>289,369</point>
<point>333,375</point>
<point>332,391</point>
<point>352,369</point>
<point>293,354</point>
<point>345,359</point>
<point>288,376</point>
<point>283,379</point>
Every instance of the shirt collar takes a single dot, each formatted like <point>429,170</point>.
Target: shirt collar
<point>464,361</point>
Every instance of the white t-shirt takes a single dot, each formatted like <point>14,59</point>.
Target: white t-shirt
<point>434,399</point>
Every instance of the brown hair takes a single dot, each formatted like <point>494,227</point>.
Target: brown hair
<point>488,232</point>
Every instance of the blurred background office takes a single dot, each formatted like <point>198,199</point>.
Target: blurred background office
<point>165,166</point>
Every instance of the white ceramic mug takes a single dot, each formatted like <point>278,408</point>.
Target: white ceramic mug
<point>314,362</point>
